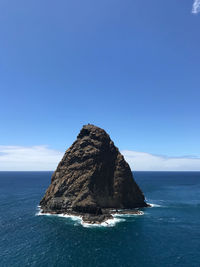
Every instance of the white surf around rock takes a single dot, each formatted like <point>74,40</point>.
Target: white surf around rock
<point>107,223</point>
<point>153,205</point>
<point>127,214</point>
<point>117,218</point>
<point>72,217</point>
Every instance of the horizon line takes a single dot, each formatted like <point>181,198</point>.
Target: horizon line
<point>131,171</point>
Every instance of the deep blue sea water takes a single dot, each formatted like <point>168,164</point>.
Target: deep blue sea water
<point>166,235</point>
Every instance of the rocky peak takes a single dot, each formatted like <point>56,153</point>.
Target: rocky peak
<point>92,176</point>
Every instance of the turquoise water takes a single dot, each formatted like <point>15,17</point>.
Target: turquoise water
<point>166,235</point>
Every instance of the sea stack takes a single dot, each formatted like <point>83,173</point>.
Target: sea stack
<point>92,179</point>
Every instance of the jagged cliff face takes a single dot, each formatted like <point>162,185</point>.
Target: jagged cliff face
<point>92,175</point>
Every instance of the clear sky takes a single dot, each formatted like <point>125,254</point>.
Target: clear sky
<point>130,67</point>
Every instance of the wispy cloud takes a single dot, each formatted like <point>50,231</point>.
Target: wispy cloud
<point>196,7</point>
<point>35,158</point>
<point>141,161</point>
<point>42,158</point>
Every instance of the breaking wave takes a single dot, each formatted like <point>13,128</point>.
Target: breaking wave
<point>152,205</point>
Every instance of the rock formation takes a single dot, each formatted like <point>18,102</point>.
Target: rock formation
<point>91,179</point>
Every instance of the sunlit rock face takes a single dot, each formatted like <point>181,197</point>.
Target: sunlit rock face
<point>92,176</point>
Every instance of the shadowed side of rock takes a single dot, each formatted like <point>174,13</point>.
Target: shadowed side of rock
<point>92,175</point>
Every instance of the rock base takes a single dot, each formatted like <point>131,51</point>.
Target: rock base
<point>107,214</point>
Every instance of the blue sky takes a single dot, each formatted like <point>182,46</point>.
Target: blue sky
<point>130,67</point>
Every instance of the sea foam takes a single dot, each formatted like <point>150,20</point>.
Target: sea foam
<point>108,223</point>
<point>152,205</point>
<point>127,214</point>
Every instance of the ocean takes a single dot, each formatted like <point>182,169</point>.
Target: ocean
<point>168,234</point>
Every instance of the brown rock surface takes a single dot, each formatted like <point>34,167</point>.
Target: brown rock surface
<point>92,176</point>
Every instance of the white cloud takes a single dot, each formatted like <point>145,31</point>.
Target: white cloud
<point>35,158</point>
<point>196,7</point>
<point>42,158</point>
<point>141,161</point>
